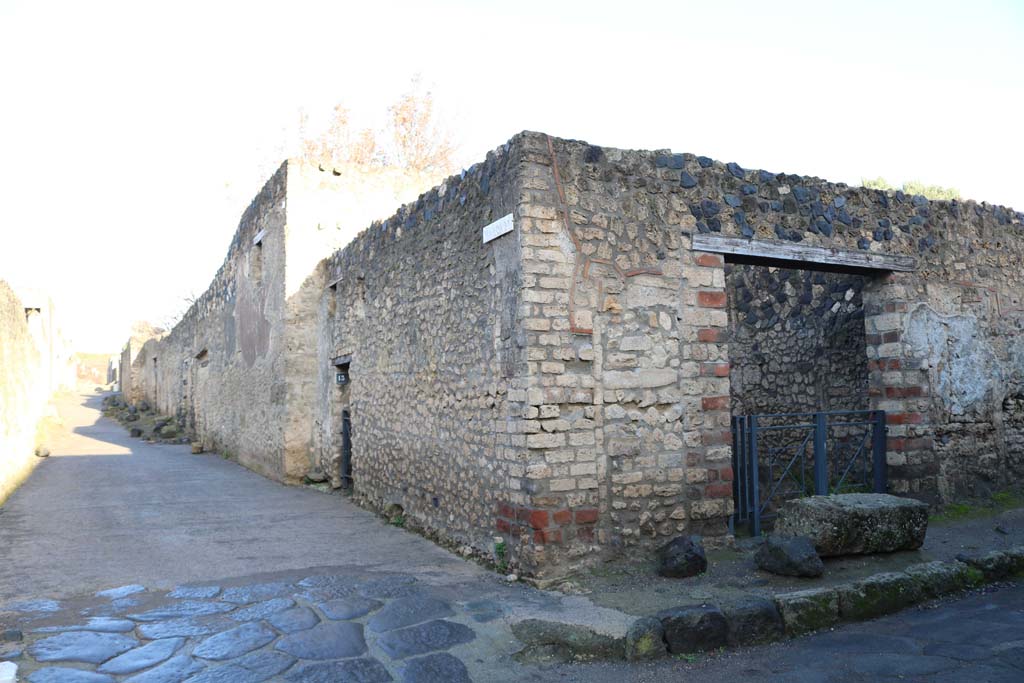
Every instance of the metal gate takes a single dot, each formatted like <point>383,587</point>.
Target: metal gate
<point>787,455</point>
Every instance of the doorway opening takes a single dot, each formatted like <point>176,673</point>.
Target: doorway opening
<point>799,387</point>
<point>341,451</point>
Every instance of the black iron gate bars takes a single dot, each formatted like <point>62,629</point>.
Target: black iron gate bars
<point>843,449</point>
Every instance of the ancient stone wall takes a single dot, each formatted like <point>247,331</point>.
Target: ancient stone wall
<point>220,371</point>
<point>627,332</point>
<point>129,367</point>
<point>568,386</point>
<point>942,341</point>
<point>34,362</point>
<point>628,426</point>
<point>797,342</point>
<point>426,318</point>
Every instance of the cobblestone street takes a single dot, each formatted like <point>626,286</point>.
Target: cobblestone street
<point>131,561</point>
<point>134,562</point>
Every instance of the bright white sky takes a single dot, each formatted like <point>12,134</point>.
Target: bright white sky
<point>134,134</point>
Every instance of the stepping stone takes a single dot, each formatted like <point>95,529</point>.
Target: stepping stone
<point>98,624</point>
<point>428,637</point>
<point>235,642</point>
<point>57,674</point>
<point>142,657</point>
<point>388,587</point>
<point>243,595</point>
<point>81,646</point>
<point>294,619</point>
<point>348,608</point>
<point>433,668</point>
<point>408,611</point>
<point>194,592</point>
<point>266,663</point>
<point>122,592</point>
<point>33,606</point>
<point>262,610</point>
<point>185,608</point>
<point>184,627</point>
<point>174,670</point>
<point>363,670</point>
<point>326,641</point>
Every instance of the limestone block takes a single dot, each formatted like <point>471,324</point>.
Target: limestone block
<point>855,523</point>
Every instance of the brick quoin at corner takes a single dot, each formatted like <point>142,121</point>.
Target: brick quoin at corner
<point>568,385</point>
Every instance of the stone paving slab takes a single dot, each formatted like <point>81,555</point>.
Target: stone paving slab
<point>142,657</point>
<point>198,592</point>
<point>175,669</point>
<point>262,610</point>
<point>288,636</point>
<point>361,670</point>
<point>294,619</point>
<point>81,646</point>
<point>349,608</point>
<point>57,674</point>
<point>98,624</point>
<point>235,642</point>
<point>335,640</point>
<point>406,611</point>
<point>423,638</point>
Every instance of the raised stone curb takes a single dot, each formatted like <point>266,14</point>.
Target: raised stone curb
<point>806,611</point>
<point>578,640</point>
<point>755,620</point>
<point>877,595</point>
<point>695,628</point>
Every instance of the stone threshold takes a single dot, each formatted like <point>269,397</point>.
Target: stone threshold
<point>756,620</point>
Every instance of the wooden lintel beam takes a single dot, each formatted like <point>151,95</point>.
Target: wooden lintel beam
<point>821,256</point>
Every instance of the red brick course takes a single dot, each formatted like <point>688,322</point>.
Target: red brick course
<point>710,260</point>
<point>711,299</point>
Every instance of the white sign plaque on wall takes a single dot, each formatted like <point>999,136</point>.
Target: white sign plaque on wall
<point>500,227</point>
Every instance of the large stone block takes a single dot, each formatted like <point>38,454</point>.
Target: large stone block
<point>855,523</point>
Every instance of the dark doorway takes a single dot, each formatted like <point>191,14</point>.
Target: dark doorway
<point>346,448</point>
